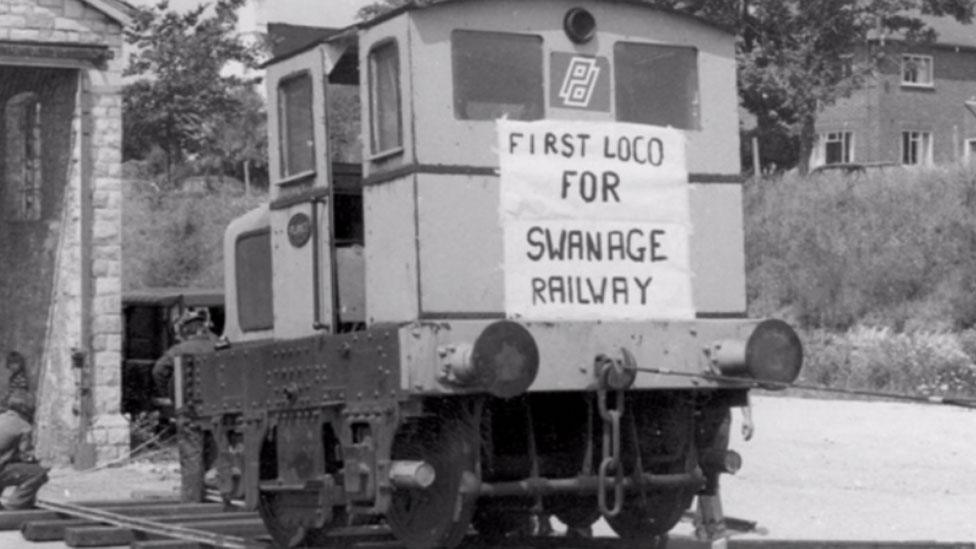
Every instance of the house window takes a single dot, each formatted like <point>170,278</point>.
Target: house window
<point>916,70</point>
<point>657,84</point>
<point>497,75</point>
<point>295,125</point>
<point>838,147</point>
<point>846,61</point>
<point>22,117</point>
<point>386,133</point>
<point>916,148</point>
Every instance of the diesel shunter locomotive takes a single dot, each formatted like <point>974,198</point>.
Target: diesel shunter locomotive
<point>500,278</point>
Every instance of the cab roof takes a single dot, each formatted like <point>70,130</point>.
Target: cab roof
<point>413,5</point>
<point>290,40</point>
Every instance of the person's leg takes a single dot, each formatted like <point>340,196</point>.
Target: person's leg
<point>28,479</point>
<point>192,468</point>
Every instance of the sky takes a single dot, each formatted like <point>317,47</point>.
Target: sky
<point>326,13</point>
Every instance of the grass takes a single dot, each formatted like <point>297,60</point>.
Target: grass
<point>878,272</point>
<point>175,238</point>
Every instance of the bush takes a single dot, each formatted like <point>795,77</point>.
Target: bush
<point>176,238</point>
<point>893,249</point>
<point>880,359</point>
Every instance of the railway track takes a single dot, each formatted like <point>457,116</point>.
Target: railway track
<point>169,524</point>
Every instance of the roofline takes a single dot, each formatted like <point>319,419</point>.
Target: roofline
<point>341,34</point>
<point>412,6</point>
<point>350,31</point>
<point>934,45</point>
<point>125,17</point>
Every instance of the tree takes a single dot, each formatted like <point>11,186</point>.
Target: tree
<point>239,143</point>
<point>182,94</point>
<point>792,54</point>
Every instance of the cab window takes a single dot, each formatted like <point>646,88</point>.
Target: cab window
<point>295,131</point>
<point>384,98</point>
<point>252,268</point>
<point>497,75</point>
<point>657,85</point>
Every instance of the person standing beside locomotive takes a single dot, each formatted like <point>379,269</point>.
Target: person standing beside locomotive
<point>193,338</point>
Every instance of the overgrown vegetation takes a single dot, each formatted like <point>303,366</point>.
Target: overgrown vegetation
<point>879,270</point>
<point>176,238</point>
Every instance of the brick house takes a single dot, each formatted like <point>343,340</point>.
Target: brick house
<point>919,109</point>
<point>60,198</point>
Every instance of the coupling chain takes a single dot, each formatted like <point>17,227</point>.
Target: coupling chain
<point>610,462</point>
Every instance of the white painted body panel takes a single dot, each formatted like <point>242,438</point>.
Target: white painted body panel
<point>460,244</point>
<point>442,139</point>
<point>294,302</point>
<point>253,220</point>
<point>391,251</point>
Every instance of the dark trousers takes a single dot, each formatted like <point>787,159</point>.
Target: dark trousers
<point>192,466</point>
<point>28,479</point>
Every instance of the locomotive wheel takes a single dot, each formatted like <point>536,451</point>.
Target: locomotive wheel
<point>273,510</point>
<point>578,514</point>
<point>654,518</point>
<point>438,516</point>
<point>494,524</point>
<point>665,439</point>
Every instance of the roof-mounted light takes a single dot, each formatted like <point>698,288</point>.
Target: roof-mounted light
<point>580,25</point>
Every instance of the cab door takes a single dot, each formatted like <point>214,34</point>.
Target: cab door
<point>301,192</point>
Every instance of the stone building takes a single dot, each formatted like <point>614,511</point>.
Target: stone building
<point>60,198</point>
<point>918,109</point>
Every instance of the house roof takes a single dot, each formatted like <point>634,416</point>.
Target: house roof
<point>951,32</point>
<point>119,11</point>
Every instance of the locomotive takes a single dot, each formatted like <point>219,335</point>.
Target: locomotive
<point>510,287</point>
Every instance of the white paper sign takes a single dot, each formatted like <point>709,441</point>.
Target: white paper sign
<point>596,221</point>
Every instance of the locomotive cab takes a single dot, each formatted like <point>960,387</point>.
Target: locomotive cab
<point>500,277</point>
<point>297,265</point>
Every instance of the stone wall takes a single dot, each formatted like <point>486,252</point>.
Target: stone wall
<point>97,104</point>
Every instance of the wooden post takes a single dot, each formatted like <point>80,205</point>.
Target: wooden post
<point>756,165</point>
<point>247,178</point>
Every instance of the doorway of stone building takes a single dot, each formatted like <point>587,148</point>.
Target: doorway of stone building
<point>37,114</point>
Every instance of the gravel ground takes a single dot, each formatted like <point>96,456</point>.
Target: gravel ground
<point>816,469</point>
<point>819,469</point>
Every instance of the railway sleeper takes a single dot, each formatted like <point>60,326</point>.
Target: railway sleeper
<point>53,530</point>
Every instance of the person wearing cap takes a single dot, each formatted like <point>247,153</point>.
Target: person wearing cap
<point>18,466</point>
<point>194,337</point>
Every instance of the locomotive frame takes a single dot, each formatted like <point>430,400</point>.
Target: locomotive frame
<point>375,371</point>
